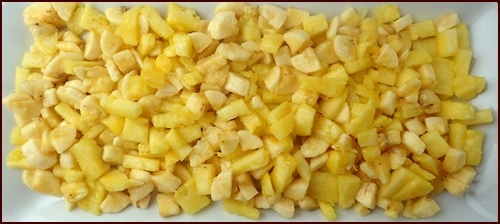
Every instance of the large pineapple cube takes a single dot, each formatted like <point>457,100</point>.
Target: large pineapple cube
<point>128,29</point>
<point>422,30</point>
<point>447,42</point>
<point>96,195</point>
<point>330,87</point>
<point>204,175</point>
<point>474,147</point>
<point>136,130</point>
<point>252,161</point>
<point>281,176</point>
<point>386,13</point>
<point>399,178</point>
<point>321,191</point>
<point>463,36</point>
<point>304,120</point>
<point>416,187</point>
<point>178,144</point>
<point>283,127</point>
<point>115,106</point>
<point>456,110</point>
<point>157,24</point>
<point>237,207</point>
<point>349,185</point>
<point>232,110</point>
<point>454,160</point>
<point>115,180</point>
<point>315,25</point>
<point>88,156</point>
<point>467,87</point>
<point>182,19</point>
<point>435,144</point>
<point>271,43</point>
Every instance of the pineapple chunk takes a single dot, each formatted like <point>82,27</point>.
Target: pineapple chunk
<point>447,42</point>
<point>320,191</point>
<point>315,25</point>
<point>233,206</point>
<point>454,160</point>
<point>128,29</point>
<point>281,176</point>
<point>473,147</point>
<point>88,156</point>
<point>327,210</point>
<point>182,19</point>
<point>386,13</point>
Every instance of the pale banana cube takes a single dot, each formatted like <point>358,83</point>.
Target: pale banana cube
<point>228,141</point>
<point>285,207</point>
<point>46,182</point>
<point>307,61</point>
<point>238,84</point>
<point>35,157</point>
<point>367,195</point>
<point>232,110</point>
<point>297,190</point>
<point>167,205</point>
<point>165,182</point>
<point>115,202</point>
<point>223,25</point>
<point>222,185</point>
<point>453,160</point>
<point>415,125</point>
<point>297,40</point>
<point>308,203</point>
<point>446,21</point>
<point>413,143</point>
<point>73,192</point>
<point>274,15</point>
<point>249,140</point>
<point>425,207</point>
<point>125,61</point>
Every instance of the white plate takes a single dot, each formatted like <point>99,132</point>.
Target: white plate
<point>480,203</point>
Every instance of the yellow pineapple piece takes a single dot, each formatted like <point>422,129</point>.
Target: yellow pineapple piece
<point>88,156</point>
<point>281,176</point>
<point>473,147</point>
<point>128,29</point>
<point>182,19</point>
<point>243,209</point>
<point>349,185</point>
<point>315,25</point>
<point>94,198</point>
<point>158,24</point>
<point>320,191</point>
<point>115,180</point>
<point>271,43</point>
<point>188,198</point>
<point>447,42</point>
<point>386,13</point>
<point>463,36</point>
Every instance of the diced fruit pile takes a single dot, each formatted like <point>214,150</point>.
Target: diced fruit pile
<point>260,107</point>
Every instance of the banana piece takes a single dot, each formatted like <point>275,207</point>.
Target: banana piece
<point>115,14</point>
<point>233,52</point>
<point>402,23</point>
<point>115,202</point>
<point>387,57</point>
<point>223,25</point>
<point>275,15</point>
<point>446,21</point>
<point>65,9</point>
<point>306,62</point>
<point>345,48</point>
<point>36,158</point>
<point>74,192</point>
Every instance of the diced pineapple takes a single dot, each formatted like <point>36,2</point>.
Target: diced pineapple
<point>320,191</point>
<point>115,180</point>
<point>128,29</point>
<point>473,147</point>
<point>315,25</point>
<point>88,156</point>
<point>447,42</point>
<point>233,206</point>
<point>435,144</point>
<point>456,110</point>
<point>422,29</point>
